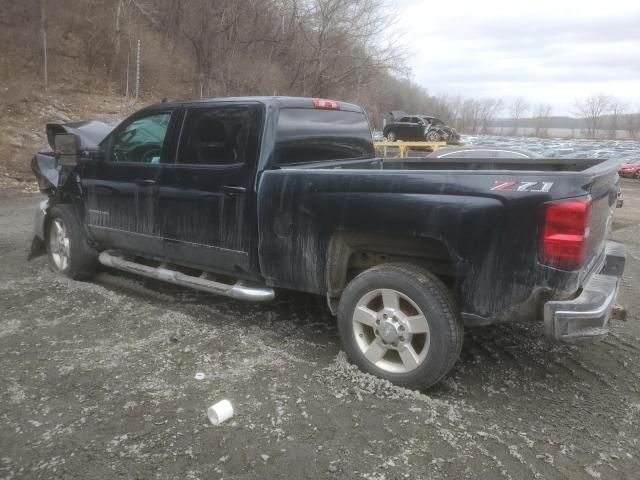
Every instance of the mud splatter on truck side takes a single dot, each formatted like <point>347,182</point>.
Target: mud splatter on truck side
<point>241,196</point>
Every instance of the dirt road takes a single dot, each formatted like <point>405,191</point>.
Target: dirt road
<point>98,382</point>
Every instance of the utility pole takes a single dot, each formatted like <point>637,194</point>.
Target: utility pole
<point>128,70</point>
<point>43,29</point>
<point>138,71</point>
<point>128,48</point>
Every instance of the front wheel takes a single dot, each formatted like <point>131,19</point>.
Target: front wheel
<point>399,322</point>
<point>637,175</point>
<point>433,136</point>
<point>67,249</point>
<point>391,136</point>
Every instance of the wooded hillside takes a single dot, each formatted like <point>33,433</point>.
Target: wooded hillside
<point>343,49</point>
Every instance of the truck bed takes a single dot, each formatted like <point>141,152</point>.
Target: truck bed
<point>486,213</point>
<point>468,164</point>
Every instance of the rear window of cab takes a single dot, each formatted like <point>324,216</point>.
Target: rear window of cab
<point>312,135</point>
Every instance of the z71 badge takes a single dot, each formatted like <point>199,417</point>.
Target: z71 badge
<point>507,186</point>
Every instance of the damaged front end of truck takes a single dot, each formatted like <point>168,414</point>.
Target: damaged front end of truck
<point>55,170</point>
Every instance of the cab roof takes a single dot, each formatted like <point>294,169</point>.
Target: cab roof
<point>277,102</point>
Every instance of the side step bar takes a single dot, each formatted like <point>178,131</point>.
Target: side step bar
<point>237,291</point>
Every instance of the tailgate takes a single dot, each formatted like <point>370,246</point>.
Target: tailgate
<point>604,193</point>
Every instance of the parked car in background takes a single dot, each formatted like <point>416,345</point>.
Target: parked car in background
<point>418,128</point>
<point>378,136</point>
<point>630,170</point>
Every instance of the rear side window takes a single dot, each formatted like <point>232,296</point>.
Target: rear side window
<point>313,135</point>
<point>217,135</point>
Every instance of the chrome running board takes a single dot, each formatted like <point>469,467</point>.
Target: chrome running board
<point>238,291</point>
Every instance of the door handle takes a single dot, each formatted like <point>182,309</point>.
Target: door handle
<point>144,182</point>
<point>231,191</point>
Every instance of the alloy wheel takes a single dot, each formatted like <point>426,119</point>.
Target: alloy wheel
<point>59,244</point>
<point>391,331</point>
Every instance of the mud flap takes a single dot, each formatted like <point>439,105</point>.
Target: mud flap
<point>39,234</point>
<point>37,248</point>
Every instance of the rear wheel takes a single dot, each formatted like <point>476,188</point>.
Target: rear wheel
<point>637,175</point>
<point>391,136</point>
<point>399,322</point>
<point>67,249</point>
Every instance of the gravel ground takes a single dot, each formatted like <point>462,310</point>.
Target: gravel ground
<point>98,383</point>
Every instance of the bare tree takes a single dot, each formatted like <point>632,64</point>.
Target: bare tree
<point>470,116</point>
<point>633,123</point>
<point>591,109</point>
<point>340,44</point>
<point>541,114</point>
<point>517,110</point>
<point>204,27</point>
<point>616,109</point>
<point>116,33</point>
<point>489,110</point>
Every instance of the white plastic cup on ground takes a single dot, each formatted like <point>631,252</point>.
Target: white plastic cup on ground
<point>220,412</point>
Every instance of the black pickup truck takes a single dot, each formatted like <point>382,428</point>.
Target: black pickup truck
<point>240,196</point>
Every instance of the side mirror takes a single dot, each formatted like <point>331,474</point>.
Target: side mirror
<point>67,149</point>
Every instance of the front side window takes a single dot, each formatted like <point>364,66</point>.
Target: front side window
<point>141,141</point>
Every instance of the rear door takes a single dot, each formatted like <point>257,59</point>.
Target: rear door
<point>206,205</point>
<point>416,129</point>
<point>404,128</point>
<point>120,191</point>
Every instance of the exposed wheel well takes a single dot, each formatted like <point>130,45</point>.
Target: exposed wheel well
<point>351,253</point>
<point>47,218</point>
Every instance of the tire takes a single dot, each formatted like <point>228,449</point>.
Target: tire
<point>391,136</point>
<point>420,344</point>
<point>637,175</point>
<point>433,136</point>
<point>67,249</point>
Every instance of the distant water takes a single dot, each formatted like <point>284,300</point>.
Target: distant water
<point>623,150</point>
<point>560,132</point>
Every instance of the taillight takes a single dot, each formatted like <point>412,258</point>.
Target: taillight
<point>326,104</point>
<point>566,230</point>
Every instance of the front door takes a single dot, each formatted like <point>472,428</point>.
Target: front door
<point>120,190</point>
<point>206,198</point>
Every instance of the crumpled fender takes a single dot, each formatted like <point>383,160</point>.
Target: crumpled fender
<point>45,168</point>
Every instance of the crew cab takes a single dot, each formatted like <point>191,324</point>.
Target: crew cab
<point>242,196</point>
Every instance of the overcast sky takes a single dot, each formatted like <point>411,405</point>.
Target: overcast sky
<point>549,51</point>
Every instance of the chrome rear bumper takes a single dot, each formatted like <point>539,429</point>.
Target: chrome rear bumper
<point>585,319</point>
